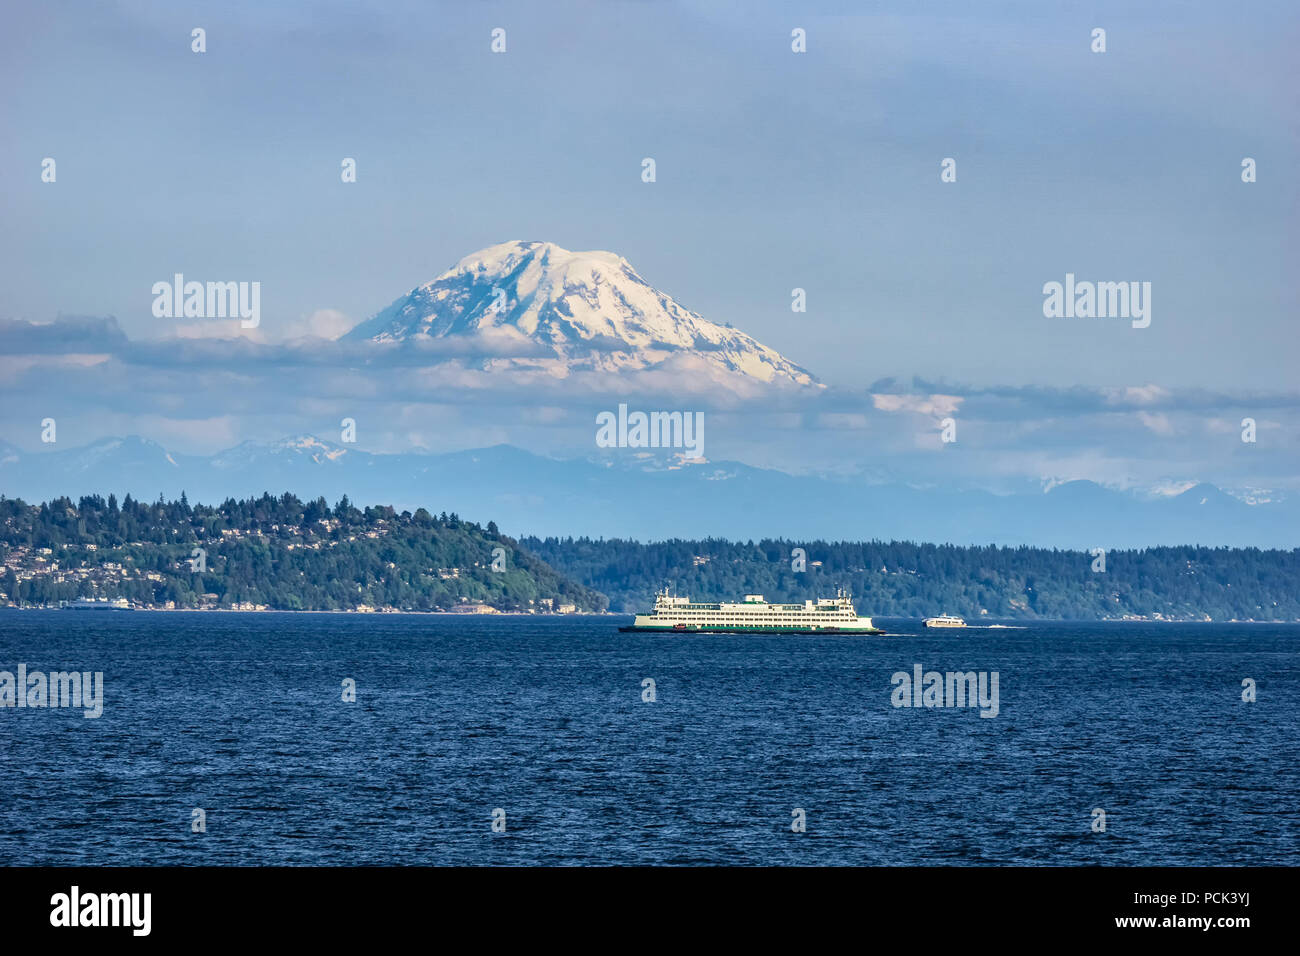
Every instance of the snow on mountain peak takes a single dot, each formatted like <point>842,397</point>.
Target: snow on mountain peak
<point>504,257</point>
<point>589,310</point>
<point>298,447</point>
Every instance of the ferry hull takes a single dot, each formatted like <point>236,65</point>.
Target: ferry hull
<point>741,629</point>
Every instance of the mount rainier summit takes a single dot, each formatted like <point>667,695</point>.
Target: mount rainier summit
<point>543,308</point>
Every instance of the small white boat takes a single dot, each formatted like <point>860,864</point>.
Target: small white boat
<point>944,620</point>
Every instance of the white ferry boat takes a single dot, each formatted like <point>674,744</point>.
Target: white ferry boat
<point>98,604</point>
<point>944,620</point>
<point>754,615</point>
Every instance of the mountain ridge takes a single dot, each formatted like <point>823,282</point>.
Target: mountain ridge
<point>647,500</point>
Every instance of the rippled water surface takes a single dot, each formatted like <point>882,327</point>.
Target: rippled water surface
<point>241,715</point>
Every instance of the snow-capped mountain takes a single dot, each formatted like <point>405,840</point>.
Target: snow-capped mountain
<point>285,452</point>
<point>576,310</point>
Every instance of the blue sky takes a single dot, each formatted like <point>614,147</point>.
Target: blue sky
<point>775,170</point>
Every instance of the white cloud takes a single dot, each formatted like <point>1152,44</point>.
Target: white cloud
<point>1158,423</point>
<point>1136,395</point>
<point>321,324</point>
<point>936,405</point>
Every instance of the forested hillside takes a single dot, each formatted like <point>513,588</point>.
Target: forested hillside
<point>914,580</point>
<point>281,553</point>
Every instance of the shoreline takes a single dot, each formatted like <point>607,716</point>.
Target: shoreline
<point>97,612</point>
<point>1016,622</point>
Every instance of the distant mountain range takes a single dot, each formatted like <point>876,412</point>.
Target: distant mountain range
<point>525,324</point>
<point>651,498</point>
<point>568,311</point>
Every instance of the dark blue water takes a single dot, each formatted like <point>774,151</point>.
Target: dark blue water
<point>241,715</point>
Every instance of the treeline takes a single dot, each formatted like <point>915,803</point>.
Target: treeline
<point>291,554</point>
<point>280,552</point>
<point>902,579</point>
